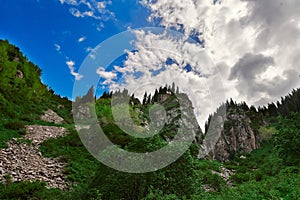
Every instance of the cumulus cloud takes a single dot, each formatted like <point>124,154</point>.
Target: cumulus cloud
<point>71,65</point>
<point>108,76</point>
<point>257,43</point>
<point>89,8</point>
<point>161,59</point>
<point>246,72</point>
<point>249,66</point>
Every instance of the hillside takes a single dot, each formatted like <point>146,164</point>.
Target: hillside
<point>23,97</point>
<point>255,157</point>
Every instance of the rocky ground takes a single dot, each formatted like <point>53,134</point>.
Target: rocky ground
<point>52,117</point>
<point>23,161</point>
<point>225,174</point>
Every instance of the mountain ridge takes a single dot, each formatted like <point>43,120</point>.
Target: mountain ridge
<point>258,144</point>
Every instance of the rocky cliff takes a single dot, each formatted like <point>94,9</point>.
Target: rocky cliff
<point>238,133</point>
<point>238,137</point>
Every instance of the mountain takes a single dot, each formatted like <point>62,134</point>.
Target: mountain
<point>243,153</point>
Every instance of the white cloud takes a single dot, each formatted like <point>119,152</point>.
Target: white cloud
<point>147,70</point>
<point>71,65</point>
<point>57,47</point>
<point>92,52</point>
<point>89,8</point>
<point>101,5</point>
<point>231,30</point>
<point>81,39</point>
<point>108,76</point>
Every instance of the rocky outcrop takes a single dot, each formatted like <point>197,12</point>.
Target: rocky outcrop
<point>52,117</point>
<point>237,136</point>
<point>225,174</point>
<point>19,74</point>
<point>175,116</point>
<point>23,161</point>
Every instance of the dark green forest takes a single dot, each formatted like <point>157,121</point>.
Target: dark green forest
<point>271,171</point>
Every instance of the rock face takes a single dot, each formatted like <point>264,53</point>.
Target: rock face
<point>19,74</point>
<point>176,117</point>
<point>23,161</point>
<point>237,136</point>
<point>52,117</point>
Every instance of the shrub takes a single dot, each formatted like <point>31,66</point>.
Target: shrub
<point>266,133</point>
<point>287,140</point>
<point>15,125</point>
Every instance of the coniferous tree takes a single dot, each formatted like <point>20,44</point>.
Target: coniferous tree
<point>272,109</point>
<point>253,109</point>
<point>155,96</point>
<point>148,99</point>
<point>145,98</point>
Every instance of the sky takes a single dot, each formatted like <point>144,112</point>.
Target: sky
<point>248,50</point>
<point>57,37</point>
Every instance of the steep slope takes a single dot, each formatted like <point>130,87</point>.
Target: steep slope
<point>163,116</point>
<point>23,97</point>
<point>21,89</point>
<point>22,94</point>
<point>23,101</point>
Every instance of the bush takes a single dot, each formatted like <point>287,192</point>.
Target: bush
<point>267,133</point>
<point>15,125</point>
<point>287,140</point>
<point>240,178</point>
<point>214,180</point>
<point>28,190</point>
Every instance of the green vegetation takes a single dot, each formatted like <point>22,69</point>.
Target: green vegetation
<point>271,172</point>
<point>287,139</point>
<point>23,97</point>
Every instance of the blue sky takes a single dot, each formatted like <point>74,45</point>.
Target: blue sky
<point>247,50</point>
<point>48,34</point>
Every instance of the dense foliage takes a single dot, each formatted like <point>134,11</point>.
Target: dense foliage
<point>287,139</point>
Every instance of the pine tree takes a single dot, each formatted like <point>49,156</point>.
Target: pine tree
<point>145,98</point>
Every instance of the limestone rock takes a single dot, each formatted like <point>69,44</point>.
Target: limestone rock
<point>236,137</point>
<point>52,117</point>
<point>19,74</point>
<point>25,162</point>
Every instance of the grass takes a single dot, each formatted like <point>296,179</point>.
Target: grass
<point>261,175</point>
<point>8,130</point>
<point>81,165</point>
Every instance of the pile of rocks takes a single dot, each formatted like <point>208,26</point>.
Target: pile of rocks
<point>225,174</point>
<point>23,161</point>
<point>52,117</point>
<point>39,134</point>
